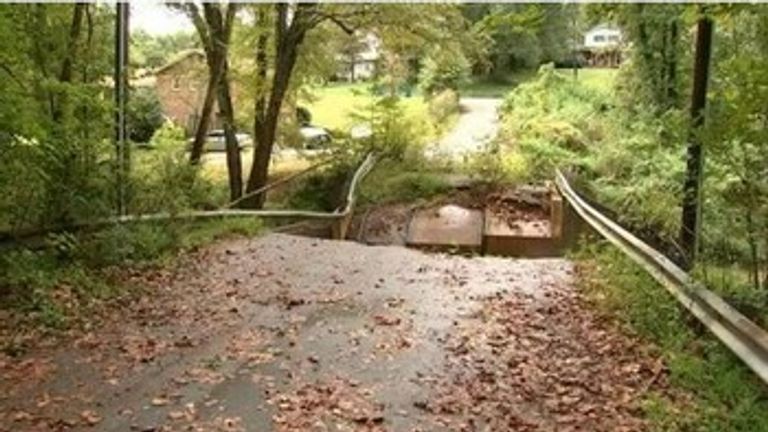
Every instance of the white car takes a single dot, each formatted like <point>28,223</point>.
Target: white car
<point>315,138</point>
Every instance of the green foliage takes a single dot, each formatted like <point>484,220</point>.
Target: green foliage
<point>53,116</point>
<point>150,52</point>
<point>658,62</point>
<point>443,105</point>
<point>402,181</point>
<point>521,36</point>
<point>443,70</point>
<point>722,394</point>
<point>164,181</point>
<point>393,134</point>
<point>555,121</point>
<point>323,190</point>
<point>145,114</point>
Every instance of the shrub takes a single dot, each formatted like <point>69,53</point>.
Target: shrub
<point>401,182</point>
<point>144,114</point>
<point>393,133</point>
<point>443,105</point>
<point>165,181</point>
<point>443,70</point>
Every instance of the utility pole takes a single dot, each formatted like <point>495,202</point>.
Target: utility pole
<point>691,214</point>
<point>122,150</point>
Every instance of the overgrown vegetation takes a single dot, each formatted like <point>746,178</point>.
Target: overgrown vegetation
<point>721,393</point>
<point>68,278</point>
<point>628,150</point>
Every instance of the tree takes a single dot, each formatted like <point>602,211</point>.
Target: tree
<point>214,27</point>
<point>145,115</point>
<point>53,58</point>
<point>287,36</point>
<point>148,51</point>
<point>351,48</point>
<point>444,70</point>
<point>519,36</point>
<point>287,27</point>
<point>655,32</point>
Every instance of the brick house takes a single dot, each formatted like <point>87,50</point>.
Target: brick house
<point>180,86</point>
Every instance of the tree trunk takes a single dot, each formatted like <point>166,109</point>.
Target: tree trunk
<point>234,164</point>
<point>265,130</point>
<point>65,75</point>
<point>287,41</point>
<point>206,112</point>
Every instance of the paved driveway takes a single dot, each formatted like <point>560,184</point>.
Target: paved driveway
<point>476,126</point>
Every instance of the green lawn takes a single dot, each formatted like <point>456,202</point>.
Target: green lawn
<point>331,106</point>
<point>488,87</point>
<point>602,79</point>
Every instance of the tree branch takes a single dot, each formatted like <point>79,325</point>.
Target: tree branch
<point>193,12</point>
<point>341,24</point>
<point>13,76</point>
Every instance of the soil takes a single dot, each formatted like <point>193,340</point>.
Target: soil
<point>522,208</point>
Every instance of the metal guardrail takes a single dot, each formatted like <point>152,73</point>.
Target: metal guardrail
<point>743,337</point>
<point>342,216</point>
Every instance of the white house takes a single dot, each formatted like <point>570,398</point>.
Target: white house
<point>602,46</point>
<point>602,36</point>
<point>360,64</point>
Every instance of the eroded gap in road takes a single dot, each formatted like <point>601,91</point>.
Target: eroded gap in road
<point>528,221</point>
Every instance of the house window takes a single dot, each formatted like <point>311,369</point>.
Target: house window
<point>613,38</point>
<point>599,38</point>
<point>176,83</point>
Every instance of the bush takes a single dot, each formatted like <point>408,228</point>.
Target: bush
<point>403,181</point>
<point>165,181</point>
<point>393,133</point>
<point>57,180</point>
<point>322,191</point>
<point>144,114</point>
<point>444,70</point>
<point>443,105</point>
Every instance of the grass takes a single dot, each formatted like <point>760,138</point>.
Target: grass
<point>402,181</point>
<point>494,87</point>
<point>332,105</point>
<point>711,389</point>
<point>596,78</point>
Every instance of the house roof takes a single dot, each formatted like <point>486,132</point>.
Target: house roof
<point>179,57</point>
<point>603,26</point>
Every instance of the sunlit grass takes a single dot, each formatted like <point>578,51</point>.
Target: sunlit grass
<point>332,106</point>
<point>601,79</point>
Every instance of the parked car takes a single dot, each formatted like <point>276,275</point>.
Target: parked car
<point>315,138</point>
<point>215,141</point>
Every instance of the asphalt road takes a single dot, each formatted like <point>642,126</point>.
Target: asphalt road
<point>284,333</point>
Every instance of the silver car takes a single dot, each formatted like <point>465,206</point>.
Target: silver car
<point>216,141</point>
